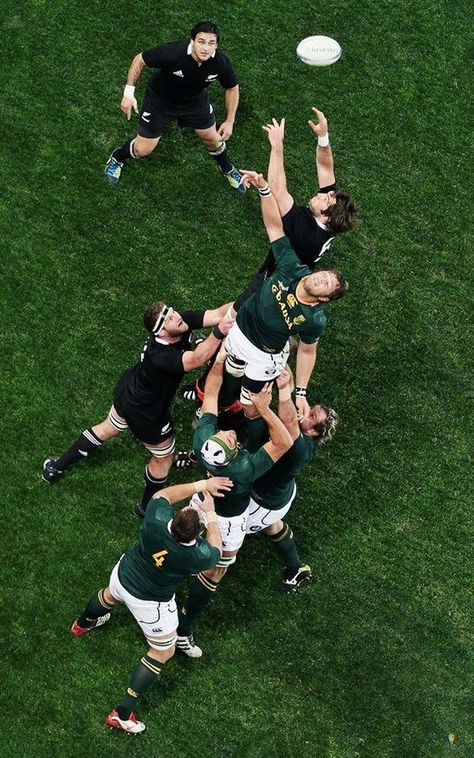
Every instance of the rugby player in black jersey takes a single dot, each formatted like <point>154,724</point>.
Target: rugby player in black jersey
<point>177,91</point>
<point>143,395</point>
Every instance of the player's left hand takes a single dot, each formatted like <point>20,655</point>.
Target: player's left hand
<point>225,130</point>
<point>217,486</point>
<point>302,406</point>
<point>321,128</point>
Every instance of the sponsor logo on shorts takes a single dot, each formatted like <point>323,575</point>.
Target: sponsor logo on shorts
<point>157,629</point>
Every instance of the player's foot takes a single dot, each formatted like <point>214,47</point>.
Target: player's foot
<point>188,646</point>
<point>78,631</point>
<point>189,392</point>
<point>185,459</point>
<point>131,725</point>
<point>113,169</point>
<point>235,180</point>
<point>139,511</point>
<point>294,579</point>
<point>50,471</point>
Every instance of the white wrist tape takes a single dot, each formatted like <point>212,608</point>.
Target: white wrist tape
<point>129,92</point>
<point>323,141</point>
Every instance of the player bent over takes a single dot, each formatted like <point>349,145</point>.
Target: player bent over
<point>274,492</point>
<point>219,453</point>
<point>146,578</point>
<point>178,92</point>
<point>143,395</point>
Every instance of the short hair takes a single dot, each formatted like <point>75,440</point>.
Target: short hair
<point>151,314</point>
<point>341,216</point>
<point>341,286</point>
<point>209,27</point>
<point>327,429</point>
<point>185,525</point>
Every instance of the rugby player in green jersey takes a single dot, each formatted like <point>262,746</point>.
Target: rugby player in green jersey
<point>218,452</point>
<point>290,302</point>
<point>274,492</point>
<point>146,578</point>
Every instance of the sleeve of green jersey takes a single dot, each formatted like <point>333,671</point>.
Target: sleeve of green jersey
<point>209,556</point>
<point>260,463</point>
<point>313,331</point>
<point>158,509</point>
<point>207,426</point>
<point>286,259</point>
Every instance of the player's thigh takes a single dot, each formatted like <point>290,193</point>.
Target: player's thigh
<point>260,517</point>
<point>157,620</point>
<point>203,121</point>
<point>153,119</point>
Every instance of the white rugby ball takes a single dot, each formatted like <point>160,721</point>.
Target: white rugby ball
<point>318,51</point>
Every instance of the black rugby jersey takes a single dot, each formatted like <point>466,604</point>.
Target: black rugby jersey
<point>181,80</point>
<point>147,388</point>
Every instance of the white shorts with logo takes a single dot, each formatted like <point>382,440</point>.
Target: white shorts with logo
<point>261,366</point>
<point>231,528</point>
<point>154,618</point>
<point>261,517</point>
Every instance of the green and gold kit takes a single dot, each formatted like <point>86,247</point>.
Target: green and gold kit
<point>273,313</point>
<point>273,490</point>
<point>157,563</point>
<point>243,469</point>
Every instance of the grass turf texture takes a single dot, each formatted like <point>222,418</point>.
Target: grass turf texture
<point>374,658</point>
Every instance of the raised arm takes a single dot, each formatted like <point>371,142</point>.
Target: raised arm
<point>305,362</point>
<point>213,384</point>
<point>280,438</point>
<point>129,100</point>
<point>214,315</point>
<point>286,407</point>
<point>231,104</point>
<point>276,166</point>
<point>324,159</point>
<point>270,213</point>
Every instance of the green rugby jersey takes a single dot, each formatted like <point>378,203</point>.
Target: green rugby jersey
<point>243,470</point>
<point>273,490</point>
<point>273,313</point>
<point>157,563</point>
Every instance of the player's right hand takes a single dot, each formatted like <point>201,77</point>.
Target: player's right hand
<point>321,128</point>
<point>252,179</point>
<point>127,105</point>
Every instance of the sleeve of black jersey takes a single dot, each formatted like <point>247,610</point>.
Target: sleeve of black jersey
<point>227,76</point>
<point>194,319</point>
<point>329,188</point>
<point>157,56</point>
<point>169,359</point>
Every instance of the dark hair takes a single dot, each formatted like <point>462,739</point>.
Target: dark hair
<point>341,286</point>
<point>209,27</point>
<point>151,314</point>
<point>185,525</point>
<point>341,216</point>
<point>327,429</point>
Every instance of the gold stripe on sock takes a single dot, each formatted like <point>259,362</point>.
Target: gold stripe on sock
<point>150,666</point>
<point>207,583</point>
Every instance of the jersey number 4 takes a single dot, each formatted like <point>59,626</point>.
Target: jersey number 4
<point>159,557</point>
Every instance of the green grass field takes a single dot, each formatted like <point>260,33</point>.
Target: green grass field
<point>374,659</point>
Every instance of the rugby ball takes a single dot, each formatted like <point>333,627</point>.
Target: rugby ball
<point>318,51</point>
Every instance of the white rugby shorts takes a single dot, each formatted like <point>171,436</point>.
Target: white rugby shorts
<point>232,528</point>
<point>261,517</point>
<point>260,365</point>
<point>155,619</point>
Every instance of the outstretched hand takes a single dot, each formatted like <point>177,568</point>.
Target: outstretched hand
<point>253,179</point>
<point>275,131</point>
<point>320,128</point>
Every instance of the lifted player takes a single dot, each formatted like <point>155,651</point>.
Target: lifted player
<point>178,92</point>
<point>144,393</point>
<point>146,578</point>
<point>290,302</point>
<point>274,492</point>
